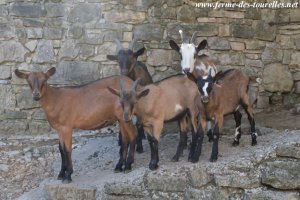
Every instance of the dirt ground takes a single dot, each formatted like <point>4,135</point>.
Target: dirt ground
<point>98,152</point>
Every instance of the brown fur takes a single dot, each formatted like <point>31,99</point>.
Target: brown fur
<point>87,107</point>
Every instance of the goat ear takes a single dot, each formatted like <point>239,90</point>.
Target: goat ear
<point>114,91</point>
<point>139,52</point>
<point>143,93</point>
<point>191,77</point>
<point>50,72</point>
<point>202,45</point>
<point>174,46</point>
<point>112,57</point>
<point>21,74</point>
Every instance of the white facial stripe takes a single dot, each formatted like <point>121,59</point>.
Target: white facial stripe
<point>178,107</point>
<point>188,60</point>
<point>205,89</point>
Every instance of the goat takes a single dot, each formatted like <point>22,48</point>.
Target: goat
<point>199,66</point>
<point>129,66</point>
<point>86,107</point>
<point>167,100</point>
<point>223,99</point>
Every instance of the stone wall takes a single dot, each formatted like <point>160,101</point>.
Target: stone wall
<point>76,36</point>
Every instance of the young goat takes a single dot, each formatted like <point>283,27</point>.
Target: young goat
<point>222,99</point>
<point>129,66</point>
<point>170,99</point>
<point>86,107</point>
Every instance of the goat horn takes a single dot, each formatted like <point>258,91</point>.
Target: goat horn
<point>182,36</point>
<point>122,85</point>
<point>119,45</point>
<point>131,45</point>
<point>133,88</point>
<point>193,37</point>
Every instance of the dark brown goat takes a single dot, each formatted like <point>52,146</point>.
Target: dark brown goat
<point>129,66</point>
<point>86,107</point>
<point>223,99</point>
<point>170,99</point>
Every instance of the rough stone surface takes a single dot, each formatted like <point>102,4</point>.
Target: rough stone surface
<point>148,31</point>
<point>277,78</point>
<point>281,174</point>
<point>44,52</point>
<point>12,51</point>
<point>160,57</point>
<point>272,54</point>
<point>83,13</point>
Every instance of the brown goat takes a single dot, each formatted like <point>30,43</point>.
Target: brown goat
<point>129,66</point>
<point>223,99</point>
<point>167,100</point>
<point>86,107</point>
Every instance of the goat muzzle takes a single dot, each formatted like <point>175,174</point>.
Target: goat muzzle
<point>186,70</point>
<point>36,96</point>
<point>204,99</point>
<point>127,117</point>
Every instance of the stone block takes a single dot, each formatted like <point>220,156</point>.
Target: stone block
<point>34,33</point>
<point>167,183</point>
<point>237,46</point>
<point>281,174</point>
<point>53,33</point>
<point>199,176</point>
<point>295,59</point>
<point>30,10</point>
<point>159,57</point>
<point>44,52</point>
<point>69,191</point>
<point>296,76</point>
<point>12,51</point>
<point>277,78</point>
<point>262,193</point>
<point>242,31</point>
<point>289,151</point>
<point>253,63</point>
<point>9,127</point>
<point>224,30</point>
<point>255,44</point>
<point>25,101</point>
<point>38,127</point>
<point>75,73</point>
<point>231,59</point>
<point>238,180</point>
<point>297,87</point>
<point>195,194</point>
<point>149,32</point>
<point>31,45</point>
<point>218,43</point>
<point>33,22</point>
<point>55,10</point>
<point>263,101</point>
<point>264,31</point>
<point>186,14</point>
<point>84,13</point>
<point>5,72</point>
<point>206,29</point>
<point>294,15</point>
<point>128,16</point>
<point>272,54</point>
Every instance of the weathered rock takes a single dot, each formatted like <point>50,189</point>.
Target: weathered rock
<point>255,44</point>
<point>207,29</point>
<point>218,43</point>
<point>252,13</point>
<point>44,52</point>
<point>259,193</point>
<point>242,31</point>
<point>53,33</point>
<point>194,194</point>
<point>281,174</point>
<point>131,17</point>
<point>137,190</point>
<point>186,14</point>
<point>231,59</point>
<point>272,54</point>
<point>33,22</point>
<point>13,115</point>
<point>31,45</point>
<point>83,13</point>
<point>5,72</point>
<point>253,63</point>
<point>237,46</point>
<point>276,99</point>
<point>262,101</point>
<point>25,101</point>
<point>294,15</point>
<point>295,60</point>
<point>68,50</point>
<point>288,151</point>
<point>287,54</point>
<point>264,31</point>
<point>6,31</point>
<point>160,57</point>
<point>149,32</point>
<point>277,78</point>
<point>57,192</point>
<point>11,51</point>
<point>75,31</point>
<point>7,97</point>
<point>297,87</point>
<point>55,10</point>
<point>34,33</point>
<point>75,72</point>
<point>39,127</point>
<point>238,180</point>
<point>31,10</point>
<point>200,177</point>
<point>166,183</point>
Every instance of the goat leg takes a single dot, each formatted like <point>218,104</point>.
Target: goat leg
<point>237,117</point>
<point>153,165</point>
<point>215,146</point>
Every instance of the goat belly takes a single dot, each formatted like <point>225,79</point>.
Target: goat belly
<point>177,116</point>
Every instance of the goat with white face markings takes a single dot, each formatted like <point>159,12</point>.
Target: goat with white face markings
<point>223,99</point>
<point>170,99</point>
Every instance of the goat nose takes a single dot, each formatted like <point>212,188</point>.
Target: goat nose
<point>186,70</point>
<point>204,99</point>
<point>126,117</point>
<point>36,96</point>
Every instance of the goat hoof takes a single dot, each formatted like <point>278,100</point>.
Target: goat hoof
<point>118,169</point>
<point>213,159</point>
<point>175,159</point>
<point>235,143</point>
<point>60,176</point>
<point>193,159</point>
<point>67,180</point>
<point>153,166</point>
<point>254,142</point>
<point>139,149</point>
